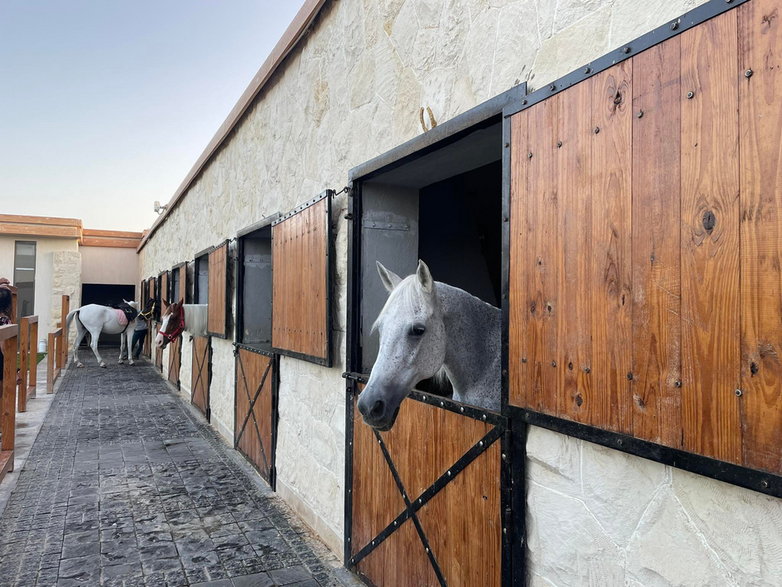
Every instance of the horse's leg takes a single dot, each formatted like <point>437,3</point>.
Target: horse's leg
<point>121,348</point>
<point>129,345</point>
<point>81,332</point>
<point>95,334</point>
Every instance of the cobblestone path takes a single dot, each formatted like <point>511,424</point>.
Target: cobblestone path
<point>124,486</point>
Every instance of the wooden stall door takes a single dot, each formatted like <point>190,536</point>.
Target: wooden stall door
<point>301,279</point>
<point>255,410</point>
<point>202,374</point>
<point>645,245</point>
<point>426,500</point>
<point>175,360</point>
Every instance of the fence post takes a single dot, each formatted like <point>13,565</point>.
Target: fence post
<point>24,363</point>
<point>50,365</point>
<point>8,341</point>
<point>66,307</point>
<point>33,379</point>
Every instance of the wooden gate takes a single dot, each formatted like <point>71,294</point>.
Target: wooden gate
<point>425,499</point>
<point>157,350</point>
<point>255,423</point>
<point>175,360</point>
<point>202,374</point>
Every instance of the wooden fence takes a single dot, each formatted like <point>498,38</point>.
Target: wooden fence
<point>57,357</point>
<point>28,363</point>
<point>8,343</point>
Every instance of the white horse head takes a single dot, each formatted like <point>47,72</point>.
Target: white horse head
<point>412,344</point>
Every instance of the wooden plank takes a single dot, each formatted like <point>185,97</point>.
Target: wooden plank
<point>174,360</point>
<point>24,358</point>
<point>40,230</point>
<point>541,256</point>
<point>760,144</point>
<point>574,320</point>
<point>218,276</point>
<point>33,377</point>
<point>8,338</point>
<point>611,292</point>
<point>656,244</point>
<point>710,240</point>
<point>518,361</point>
<point>6,462</point>
<point>44,220</point>
<point>117,234</point>
<point>114,243</point>
<point>65,308</point>
<point>299,289</point>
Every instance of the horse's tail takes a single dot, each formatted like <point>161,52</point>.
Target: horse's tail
<point>71,315</point>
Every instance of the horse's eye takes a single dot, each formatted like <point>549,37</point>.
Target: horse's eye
<point>417,330</point>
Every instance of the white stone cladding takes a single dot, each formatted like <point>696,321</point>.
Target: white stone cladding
<point>352,90</point>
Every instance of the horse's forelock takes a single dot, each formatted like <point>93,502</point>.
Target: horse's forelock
<point>408,293</point>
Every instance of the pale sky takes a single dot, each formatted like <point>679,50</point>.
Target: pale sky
<point>106,105</point>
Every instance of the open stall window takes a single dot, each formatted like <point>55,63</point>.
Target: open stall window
<point>164,287</point>
<point>178,282</point>
<point>201,277</point>
<point>254,299</point>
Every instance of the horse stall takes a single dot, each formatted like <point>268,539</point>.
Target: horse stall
<point>619,218</point>
<point>426,503</point>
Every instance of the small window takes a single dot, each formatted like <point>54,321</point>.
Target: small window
<point>201,280</point>
<point>24,277</point>
<point>178,285</point>
<point>175,285</point>
<point>255,289</point>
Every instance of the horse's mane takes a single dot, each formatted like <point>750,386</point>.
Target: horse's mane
<point>406,292</point>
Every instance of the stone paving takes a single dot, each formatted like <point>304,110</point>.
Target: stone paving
<point>126,486</point>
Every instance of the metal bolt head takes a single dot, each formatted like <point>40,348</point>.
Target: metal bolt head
<point>529,155</point>
<point>449,473</point>
<point>559,144</point>
<point>480,443</point>
<point>504,457</point>
<point>442,404</point>
<point>748,73</point>
<point>629,376</point>
<point>523,359</point>
<point>587,70</point>
<point>674,26</point>
<point>596,130</point>
<point>677,383</point>
<point>739,393</point>
<point>553,363</point>
<point>552,87</point>
<point>626,50</point>
<point>587,370</point>
<point>690,95</point>
<point>764,484</point>
<point>523,102</point>
<point>640,114</point>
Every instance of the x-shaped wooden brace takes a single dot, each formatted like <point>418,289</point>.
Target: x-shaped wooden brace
<point>412,506</point>
<point>201,361</point>
<point>251,410</point>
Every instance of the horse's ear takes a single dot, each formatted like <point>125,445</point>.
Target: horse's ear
<point>181,302</point>
<point>389,278</point>
<point>424,277</point>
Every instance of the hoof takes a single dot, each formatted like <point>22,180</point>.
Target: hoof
<point>80,365</point>
<point>131,364</point>
<point>120,362</point>
<point>103,365</point>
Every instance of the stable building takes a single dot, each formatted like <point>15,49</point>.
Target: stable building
<point>606,174</point>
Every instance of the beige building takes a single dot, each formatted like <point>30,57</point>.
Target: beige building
<point>48,257</point>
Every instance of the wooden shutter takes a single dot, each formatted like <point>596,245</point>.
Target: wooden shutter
<point>180,271</point>
<point>301,279</point>
<point>164,287</point>
<point>201,374</point>
<point>644,245</point>
<point>217,324</point>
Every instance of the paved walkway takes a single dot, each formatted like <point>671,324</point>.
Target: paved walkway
<point>126,486</point>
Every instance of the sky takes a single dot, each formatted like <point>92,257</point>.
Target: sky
<point>105,106</point>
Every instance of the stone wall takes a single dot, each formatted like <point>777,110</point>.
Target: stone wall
<point>353,89</point>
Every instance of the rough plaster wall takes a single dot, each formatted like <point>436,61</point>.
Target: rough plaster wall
<point>186,367</point>
<point>65,280</point>
<point>601,517</point>
<point>354,91</point>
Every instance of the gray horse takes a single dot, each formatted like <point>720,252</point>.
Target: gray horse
<point>427,327</point>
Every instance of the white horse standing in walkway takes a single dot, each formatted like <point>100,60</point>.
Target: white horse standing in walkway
<point>427,327</point>
<point>180,317</point>
<point>94,318</point>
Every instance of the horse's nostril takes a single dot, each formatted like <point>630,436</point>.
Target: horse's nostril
<point>377,409</point>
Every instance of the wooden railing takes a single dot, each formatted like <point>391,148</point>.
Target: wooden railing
<point>8,344</point>
<point>28,363</point>
<point>54,362</point>
<point>57,357</point>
